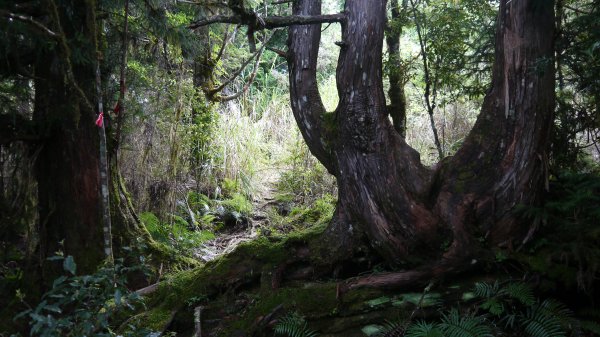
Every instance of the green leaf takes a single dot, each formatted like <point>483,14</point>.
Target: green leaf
<point>493,306</point>
<point>118,297</point>
<point>69,264</point>
<point>378,301</point>
<point>53,308</point>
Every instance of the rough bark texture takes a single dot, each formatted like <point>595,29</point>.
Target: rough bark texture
<point>67,166</point>
<point>407,210</point>
<point>397,107</point>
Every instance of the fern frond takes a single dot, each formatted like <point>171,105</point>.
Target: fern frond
<point>455,325</point>
<point>293,325</point>
<point>493,306</point>
<point>547,319</point>
<point>558,310</point>
<point>392,329</point>
<point>521,292</point>
<point>423,329</point>
<point>486,290</point>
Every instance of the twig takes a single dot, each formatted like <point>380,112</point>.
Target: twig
<point>252,75</point>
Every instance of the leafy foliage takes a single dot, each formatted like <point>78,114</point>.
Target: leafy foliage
<point>83,305</point>
<point>176,234</point>
<point>500,308</point>
<point>578,63</point>
<point>568,251</point>
<point>293,325</point>
<point>546,319</point>
<point>238,203</point>
<point>455,325</point>
<point>424,329</point>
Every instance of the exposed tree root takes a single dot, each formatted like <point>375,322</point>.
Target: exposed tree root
<point>395,280</point>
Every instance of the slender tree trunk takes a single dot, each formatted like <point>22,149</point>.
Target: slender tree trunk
<point>397,107</point>
<point>429,82</point>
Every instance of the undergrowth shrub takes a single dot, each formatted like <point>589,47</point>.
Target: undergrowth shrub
<point>176,234</point>
<point>238,203</point>
<point>82,305</point>
<point>494,309</point>
<point>320,212</point>
<point>568,248</point>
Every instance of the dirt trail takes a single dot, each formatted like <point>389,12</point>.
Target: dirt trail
<point>263,199</point>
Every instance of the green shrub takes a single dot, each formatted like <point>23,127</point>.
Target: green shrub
<point>567,249</point>
<point>83,305</point>
<point>158,232</point>
<point>198,202</point>
<point>177,234</point>
<point>320,212</point>
<point>229,187</point>
<point>238,203</point>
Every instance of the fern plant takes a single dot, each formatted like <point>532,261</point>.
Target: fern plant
<point>389,329</point>
<point>293,325</point>
<point>548,318</point>
<point>517,309</point>
<point>456,325</point>
<point>502,308</point>
<point>424,329</point>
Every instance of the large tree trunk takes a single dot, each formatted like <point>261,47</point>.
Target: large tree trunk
<point>407,210</point>
<point>67,167</point>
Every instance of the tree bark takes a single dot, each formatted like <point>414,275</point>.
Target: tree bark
<point>407,210</point>
<point>67,167</point>
<point>397,107</point>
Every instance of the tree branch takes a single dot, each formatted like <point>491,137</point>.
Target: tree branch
<point>226,40</point>
<point>269,22</point>
<point>236,73</point>
<point>250,79</point>
<point>27,19</point>
<point>279,52</point>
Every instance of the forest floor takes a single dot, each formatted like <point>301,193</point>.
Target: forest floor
<point>263,202</point>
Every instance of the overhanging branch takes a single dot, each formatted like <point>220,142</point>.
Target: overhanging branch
<point>30,20</point>
<point>269,22</point>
